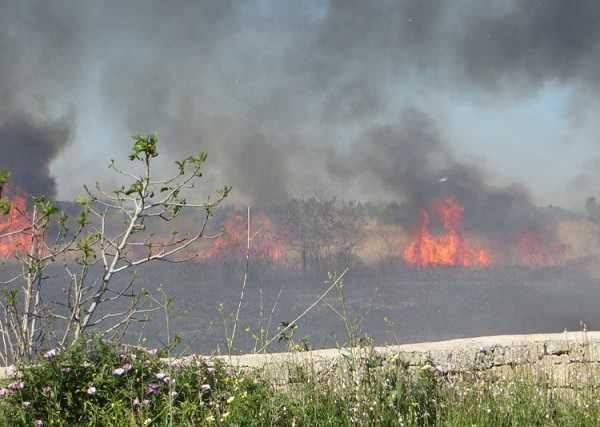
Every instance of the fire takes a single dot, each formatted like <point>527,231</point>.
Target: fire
<point>16,220</point>
<point>264,241</point>
<point>533,253</point>
<point>449,248</point>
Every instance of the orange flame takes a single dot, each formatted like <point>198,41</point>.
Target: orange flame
<point>533,253</point>
<point>450,248</point>
<point>264,242</point>
<point>16,220</point>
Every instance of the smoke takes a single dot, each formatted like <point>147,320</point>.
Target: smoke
<point>278,92</point>
<point>412,161</point>
<point>38,62</point>
<point>27,148</point>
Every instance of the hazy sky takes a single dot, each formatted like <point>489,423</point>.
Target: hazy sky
<point>292,96</point>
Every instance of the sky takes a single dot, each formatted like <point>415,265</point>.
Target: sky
<point>372,100</point>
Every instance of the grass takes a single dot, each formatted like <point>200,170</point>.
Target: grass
<point>97,384</point>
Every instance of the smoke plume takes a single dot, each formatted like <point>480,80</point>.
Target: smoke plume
<point>278,92</point>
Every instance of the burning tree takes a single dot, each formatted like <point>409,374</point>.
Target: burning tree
<point>95,252</point>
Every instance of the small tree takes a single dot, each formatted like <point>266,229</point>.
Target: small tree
<point>116,232</point>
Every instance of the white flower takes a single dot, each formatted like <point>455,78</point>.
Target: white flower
<point>119,371</point>
<point>91,390</point>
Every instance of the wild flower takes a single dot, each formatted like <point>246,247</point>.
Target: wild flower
<point>91,390</point>
<point>38,423</point>
<point>118,371</point>
<point>210,371</point>
<point>127,367</point>
<point>66,370</point>
<point>153,351</point>
<point>3,392</point>
<point>205,387</point>
<point>146,402</point>
<point>136,402</point>
<point>26,404</point>
<point>151,388</point>
<point>51,353</point>
<point>174,394</point>
<point>169,380</point>
<point>160,376</point>
<point>17,385</point>
<point>46,390</point>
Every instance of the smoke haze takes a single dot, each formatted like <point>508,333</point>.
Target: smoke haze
<point>368,100</point>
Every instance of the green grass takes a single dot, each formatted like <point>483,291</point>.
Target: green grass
<point>96,384</point>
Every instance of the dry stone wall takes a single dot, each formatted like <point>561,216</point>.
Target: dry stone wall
<point>569,359</point>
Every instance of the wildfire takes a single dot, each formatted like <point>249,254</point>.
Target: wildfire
<point>533,253</point>
<point>16,220</point>
<point>264,242</point>
<point>449,248</point>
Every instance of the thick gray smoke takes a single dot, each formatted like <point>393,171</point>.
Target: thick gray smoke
<point>26,149</point>
<point>277,92</point>
<point>37,63</point>
<point>411,161</point>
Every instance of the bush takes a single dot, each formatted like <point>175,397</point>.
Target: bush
<point>94,383</point>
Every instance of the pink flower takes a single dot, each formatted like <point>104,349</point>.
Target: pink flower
<point>169,380</point>
<point>210,371</point>
<point>91,390</point>
<point>153,351</point>
<point>3,392</point>
<point>127,367</point>
<point>46,390</point>
<point>51,353</point>
<point>66,370</point>
<point>136,402</point>
<point>151,388</point>
<point>146,402</point>
<point>118,371</point>
<point>205,387</point>
<point>160,376</point>
<point>17,386</point>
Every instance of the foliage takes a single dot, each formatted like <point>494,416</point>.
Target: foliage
<point>94,383</point>
<point>114,233</point>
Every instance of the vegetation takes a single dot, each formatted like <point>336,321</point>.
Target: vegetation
<point>93,383</point>
<point>72,367</point>
<point>115,233</point>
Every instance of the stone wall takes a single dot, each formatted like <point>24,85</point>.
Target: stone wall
<point>568,358</point>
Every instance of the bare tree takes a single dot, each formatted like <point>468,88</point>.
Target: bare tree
<point>323,229</point>
<point>116,232</point>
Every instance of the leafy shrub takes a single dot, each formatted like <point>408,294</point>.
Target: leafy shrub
<point>94,383</point>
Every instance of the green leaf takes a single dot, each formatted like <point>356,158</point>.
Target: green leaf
<point>4,206</point>
<point>4,176</point>
<point>144,147</point>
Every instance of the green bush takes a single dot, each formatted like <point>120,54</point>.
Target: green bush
<point>94,383</point>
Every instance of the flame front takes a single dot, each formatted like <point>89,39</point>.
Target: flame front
<point>534,253</point>
<point>264,242</point>
<point>13,226</point>
<point>449,248</point>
